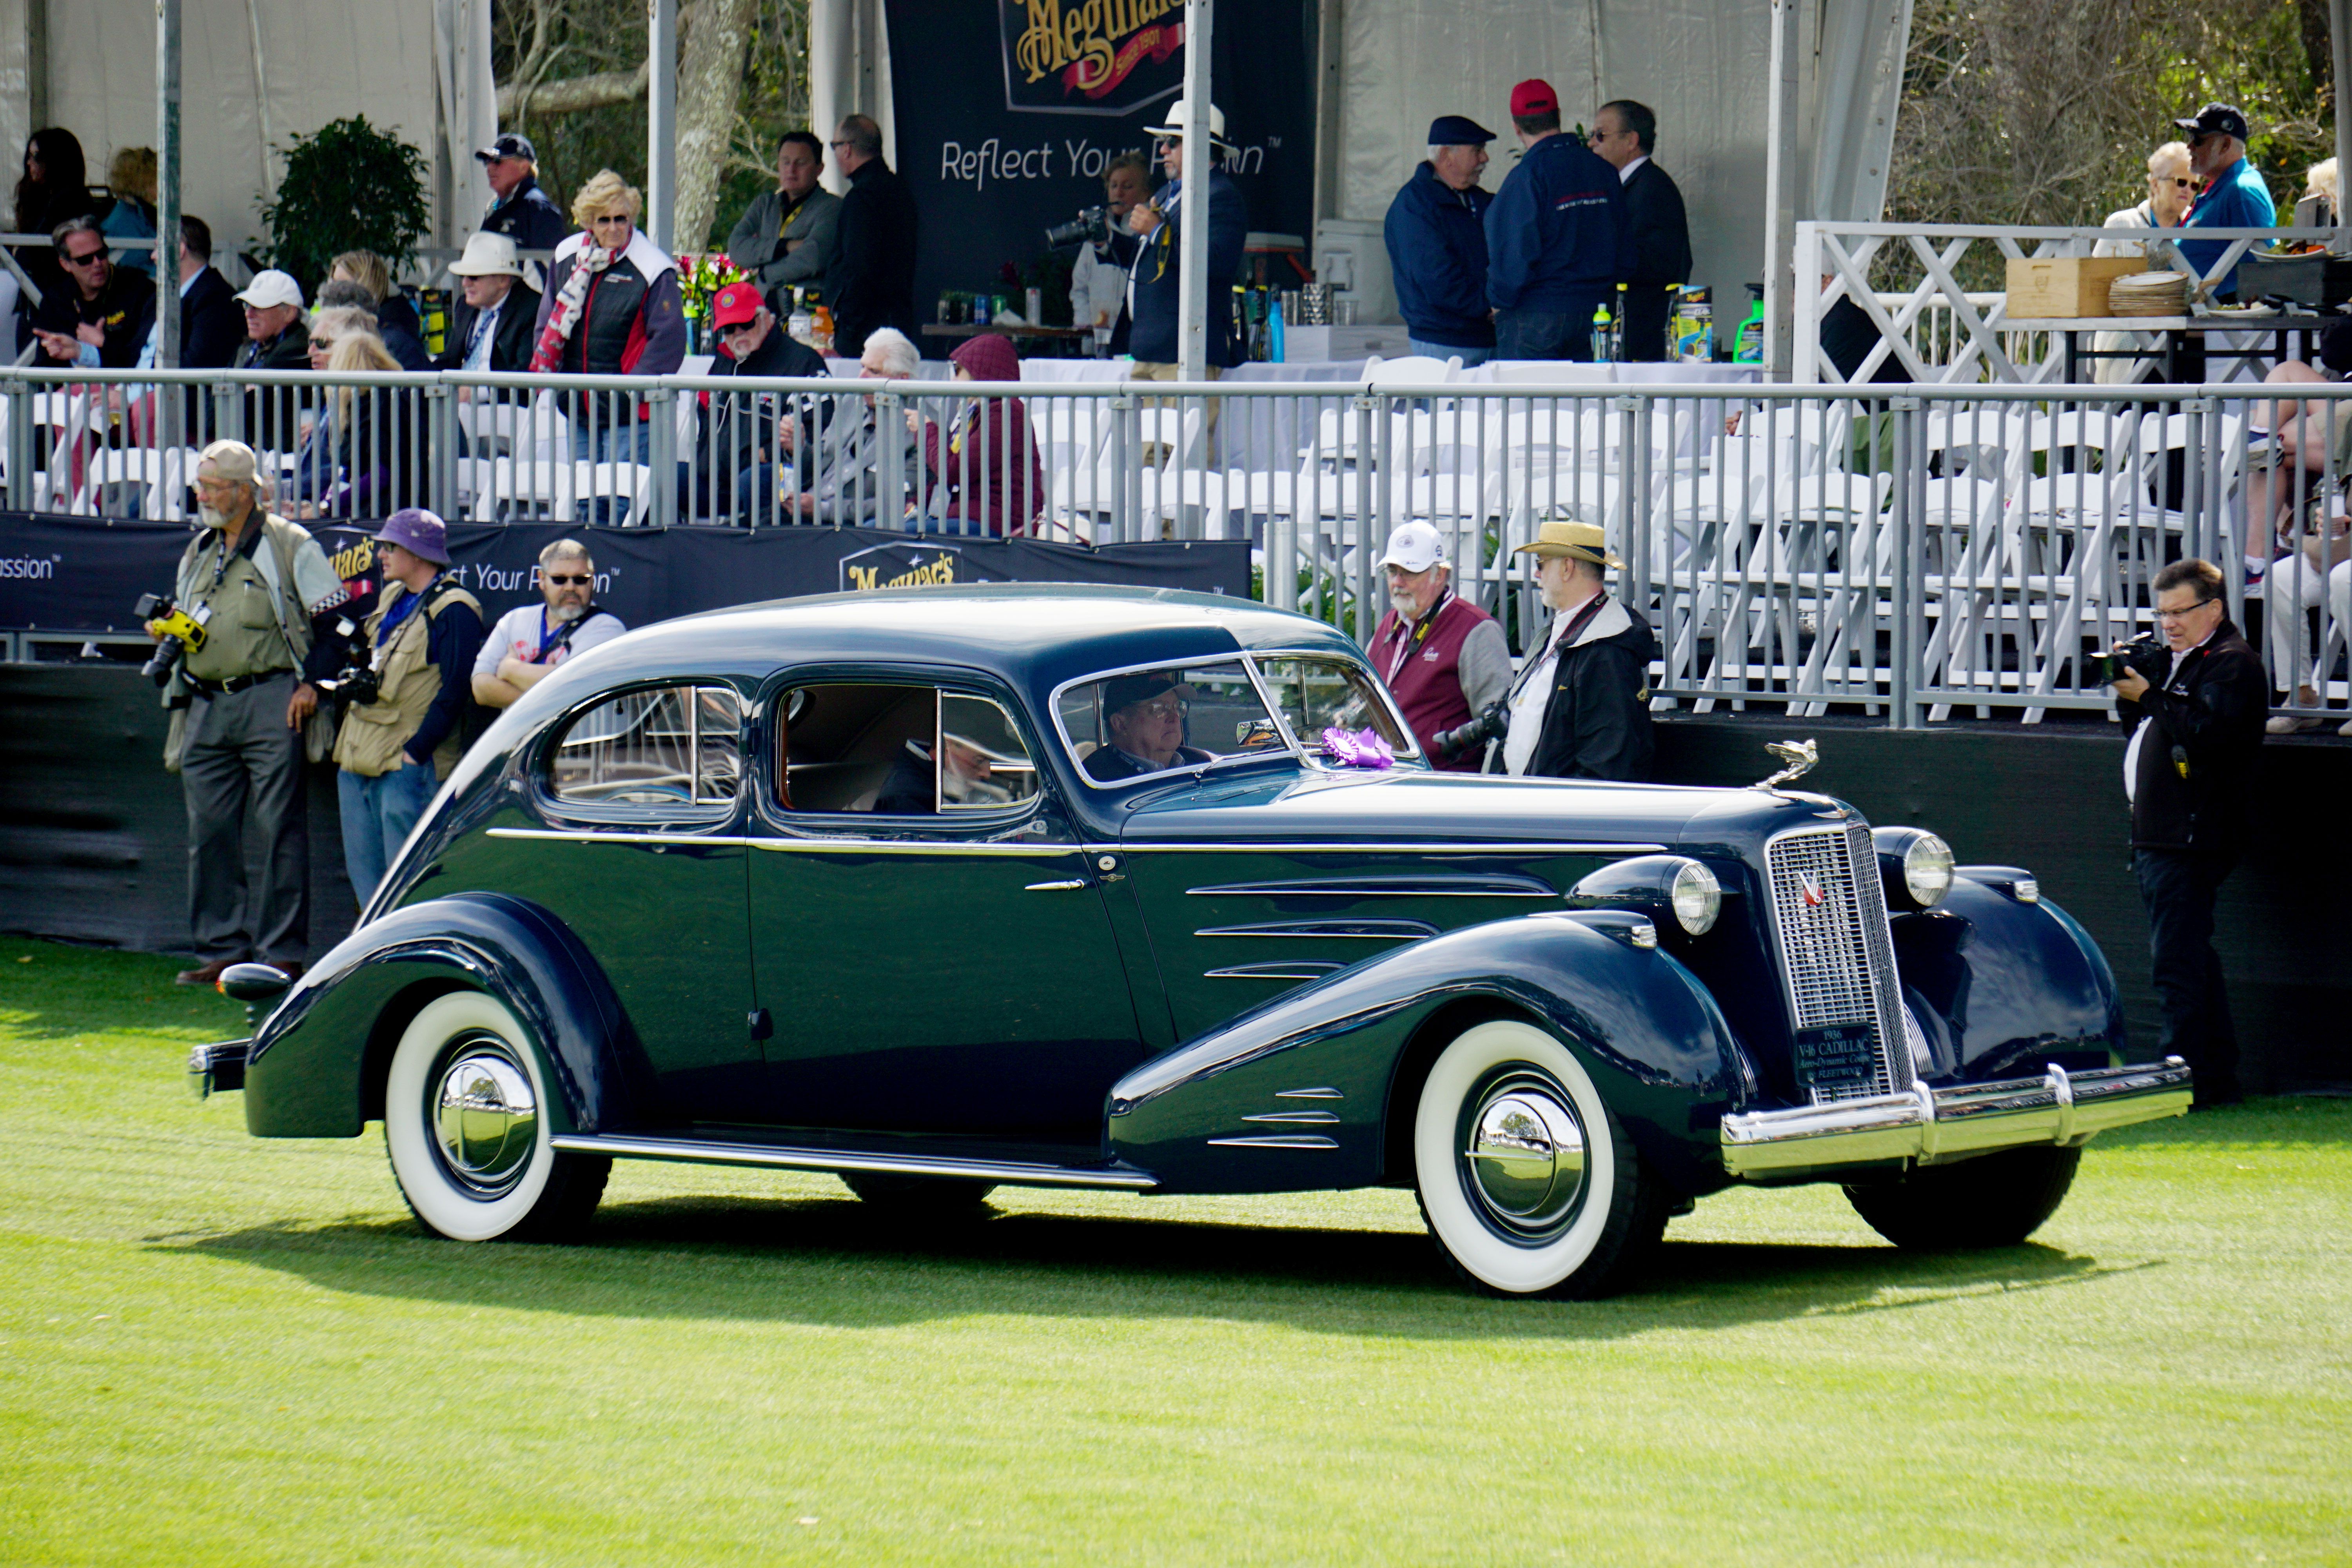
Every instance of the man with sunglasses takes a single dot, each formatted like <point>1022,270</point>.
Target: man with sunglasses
<point>531,640</point>
<point>104,318</point>
<point>2194,707</point>
<point>2234,195</point>
<point>874,280</point>
<point>735,433</point>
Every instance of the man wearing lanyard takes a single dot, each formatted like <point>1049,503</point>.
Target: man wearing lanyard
<point>531,640</point>
<point>1580,709</point>
<point>493,328</point>
<point>2196,710</point>
<point>1442,657</point>
<point>395,746</point>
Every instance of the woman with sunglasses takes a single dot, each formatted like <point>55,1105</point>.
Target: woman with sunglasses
<point>2170,190</point>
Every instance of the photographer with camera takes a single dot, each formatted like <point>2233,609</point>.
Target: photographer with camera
<point>1105,253</point>
<point>1443,656</point>
<point>257,594</point>
<point>1580,709</point>
<point>2194,706</point>
<point>406,691</point>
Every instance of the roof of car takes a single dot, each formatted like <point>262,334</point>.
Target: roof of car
<point>1029,632</point>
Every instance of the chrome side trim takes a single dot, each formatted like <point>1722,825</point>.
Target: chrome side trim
<point>1456,887</point>
<point>595,835</point>
<point>1390,846</point>
<point>1295,1118</point>
<point>1336,930</point>
<point>1062,887</point>
<point>1321,1091</point>
<point>908,847</point>
<point>1298,969</point>
<point>1275,1140</point>
<point>1005,1170</point>
<point>1927,1124</point>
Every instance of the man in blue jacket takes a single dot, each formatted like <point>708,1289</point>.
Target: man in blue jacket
<point>2236,198</point>
<point>1437,245</point>
<point>1555,236</point>
<point>1155,287</point>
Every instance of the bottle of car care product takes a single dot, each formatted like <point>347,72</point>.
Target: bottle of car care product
<point>1600,325</point>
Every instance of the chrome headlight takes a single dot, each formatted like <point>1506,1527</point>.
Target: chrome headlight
<point>1916,866</point>
<point>1698,897</point>
<point>1659,886</point>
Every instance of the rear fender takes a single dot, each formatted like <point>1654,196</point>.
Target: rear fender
<point>318,1065</point>
<point>1299,1093</point>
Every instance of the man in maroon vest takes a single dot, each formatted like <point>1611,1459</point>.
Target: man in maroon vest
<point>1444,657</point>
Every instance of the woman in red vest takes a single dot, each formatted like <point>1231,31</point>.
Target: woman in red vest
<point>1444,657</point>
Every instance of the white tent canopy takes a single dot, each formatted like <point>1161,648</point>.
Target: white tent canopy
<point>253,73</point>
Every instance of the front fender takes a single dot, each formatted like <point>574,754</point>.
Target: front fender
<point>317,1067</point>
<point>1299,1093</point>
<point>2015,985</point>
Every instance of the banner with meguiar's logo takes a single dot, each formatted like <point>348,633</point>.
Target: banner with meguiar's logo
<point>1091,56</point>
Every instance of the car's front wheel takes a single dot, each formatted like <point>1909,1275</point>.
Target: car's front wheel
<point>1994,1200</point>
<point>465,1123</point>
<point>1527,1181</point>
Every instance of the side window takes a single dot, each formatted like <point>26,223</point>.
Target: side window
<point>900,751</point>
<point>673,745</point>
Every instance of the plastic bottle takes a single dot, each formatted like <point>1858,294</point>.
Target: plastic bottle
<point>1600,329</point>
<point>1617,327</point>
<point>801,324</point>
<point>820,330</point>
<point>1751,349</point>
<point>979,310</point>
<point>1274,329</point>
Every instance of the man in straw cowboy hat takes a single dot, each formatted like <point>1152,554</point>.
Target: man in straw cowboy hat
<point>1581,707</point>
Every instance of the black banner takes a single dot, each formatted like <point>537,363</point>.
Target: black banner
<point>81,575</point>
<point>1009,111</point>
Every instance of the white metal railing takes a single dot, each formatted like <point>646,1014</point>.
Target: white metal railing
<point>1909,552</point>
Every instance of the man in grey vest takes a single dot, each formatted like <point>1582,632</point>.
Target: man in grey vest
<point>261,590</point>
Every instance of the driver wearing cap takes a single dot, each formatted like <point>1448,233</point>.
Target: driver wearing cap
<point>1143,728</point>
<point>1444,658</point>
<point>1580,709</point>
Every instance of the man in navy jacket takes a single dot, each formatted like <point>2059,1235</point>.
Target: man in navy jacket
<point>1155,285</point>
<point>1437,245</point>
<point>1555,238</point>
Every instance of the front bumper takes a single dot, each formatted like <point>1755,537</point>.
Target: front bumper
<point>1928,1124</point>
<point>217,1068</point>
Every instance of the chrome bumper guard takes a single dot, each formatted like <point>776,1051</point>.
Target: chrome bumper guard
<point>218,1068</point>
<point>1931,1124</point>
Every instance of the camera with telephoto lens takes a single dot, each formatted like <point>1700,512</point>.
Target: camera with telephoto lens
<point>1491,725</point>
<point>1091,226</point>
<point>357,684</point>
<point>182,632</point>
<point>2144,655</point>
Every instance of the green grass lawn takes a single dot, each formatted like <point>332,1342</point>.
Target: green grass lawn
<point>216,1349</point>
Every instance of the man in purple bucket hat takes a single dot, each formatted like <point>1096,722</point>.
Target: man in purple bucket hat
<point>407,693</point>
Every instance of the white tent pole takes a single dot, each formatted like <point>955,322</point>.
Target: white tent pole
<point>1192,240</point>
<point>262,98</point>
<point>661,123</point>
<point>2339,52</point>
<point>1781,194</point>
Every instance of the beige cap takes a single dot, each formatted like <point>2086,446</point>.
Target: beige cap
<point>231,460</point>
<point>1565,536</point>
<point>487,254</point>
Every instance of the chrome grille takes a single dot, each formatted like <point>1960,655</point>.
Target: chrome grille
<point>1829,917</point>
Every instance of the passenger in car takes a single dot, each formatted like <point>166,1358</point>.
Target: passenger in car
<point>1143,728</point>
<point>964,780</point>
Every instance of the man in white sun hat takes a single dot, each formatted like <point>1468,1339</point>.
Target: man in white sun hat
<point>1443,656</point>
<point>495,327</point>
<point>1154,286</point>
<point>1580,707</point>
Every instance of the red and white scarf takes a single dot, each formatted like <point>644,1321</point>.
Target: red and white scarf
<point>563,317</point>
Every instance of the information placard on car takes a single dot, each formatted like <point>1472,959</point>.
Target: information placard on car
<point>1840,1056</point>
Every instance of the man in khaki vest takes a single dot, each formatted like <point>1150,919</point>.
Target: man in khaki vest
<point>420,640</point>
<point>261,589</point>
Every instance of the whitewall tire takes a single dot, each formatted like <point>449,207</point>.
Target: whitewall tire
<point>1529,1184</point>
<point>466,1125</point>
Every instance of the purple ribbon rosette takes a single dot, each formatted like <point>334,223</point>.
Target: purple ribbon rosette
<point>1356,749</point>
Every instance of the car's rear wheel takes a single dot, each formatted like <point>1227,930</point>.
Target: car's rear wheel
<point>919,1197</point>
<point>1526,1178</point>
<point>1994,1200</point>
<point>465,1124</point>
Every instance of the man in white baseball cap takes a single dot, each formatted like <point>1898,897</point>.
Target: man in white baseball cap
<point>1443,656</point>
<point>276,338</point>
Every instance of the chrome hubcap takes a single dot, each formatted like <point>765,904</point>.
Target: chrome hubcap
<point>1526,1160</point>
<point>485,1115</point>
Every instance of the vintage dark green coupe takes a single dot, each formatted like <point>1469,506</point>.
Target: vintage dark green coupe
<point>945,889</point>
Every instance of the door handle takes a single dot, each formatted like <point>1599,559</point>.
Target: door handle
<point>1073,884</point>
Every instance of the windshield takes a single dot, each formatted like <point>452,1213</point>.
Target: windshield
<point>1146,721</point>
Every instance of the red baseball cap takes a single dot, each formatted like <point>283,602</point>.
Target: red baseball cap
<point>737,303</point>
<point>1534,96</point>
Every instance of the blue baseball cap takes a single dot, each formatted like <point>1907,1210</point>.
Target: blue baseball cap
<point>1458,130</point>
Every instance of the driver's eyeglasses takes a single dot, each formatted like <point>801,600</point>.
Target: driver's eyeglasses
<point>1168,707</point>
<point>2184,612</point>
<point>568,582</point>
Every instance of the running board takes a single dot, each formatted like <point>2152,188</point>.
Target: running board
<point>1012,1172</point>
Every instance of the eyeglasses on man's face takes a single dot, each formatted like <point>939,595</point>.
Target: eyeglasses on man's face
<point>85,257</point>
<point>2182,614</point>
<point>562,581</point>
<point>1167,708</point>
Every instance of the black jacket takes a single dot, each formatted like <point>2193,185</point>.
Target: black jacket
<point>1159,288</point>
<point>739,428</point>
<point>268,408</point>
<point>528,218</point>
<point>403,334</point>
<point>1657,235</point>
<point>512,340</point>
<point>124,310</point>
<point>876,284</point>
<point>2192,784</point>
<point>1436,239</point>
<point>212,323</point>
<point>1596,725</point>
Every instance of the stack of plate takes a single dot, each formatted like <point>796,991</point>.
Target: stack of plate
<point>2148,294</point>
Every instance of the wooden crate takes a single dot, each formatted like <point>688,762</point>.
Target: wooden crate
<point>2065,285</point>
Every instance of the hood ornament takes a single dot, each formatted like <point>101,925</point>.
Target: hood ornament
<point>1798,757</point>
